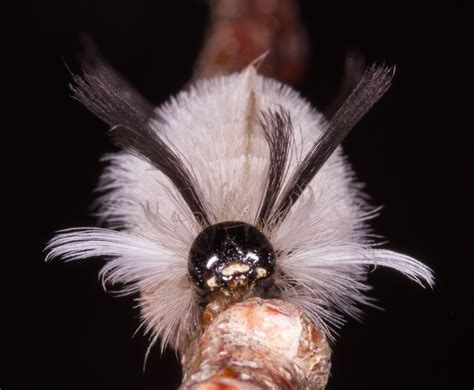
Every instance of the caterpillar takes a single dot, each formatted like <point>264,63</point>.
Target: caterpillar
<point>235,188</point>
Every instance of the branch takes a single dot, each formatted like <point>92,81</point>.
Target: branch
<point>258,344</point>
<point>242,31</point>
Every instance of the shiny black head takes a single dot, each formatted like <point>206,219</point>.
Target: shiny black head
<point>230,255</point>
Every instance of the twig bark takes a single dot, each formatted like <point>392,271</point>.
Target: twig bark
<point>241,31</point>
<point>257,344</point>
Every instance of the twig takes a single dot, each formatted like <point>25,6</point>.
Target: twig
<point>241,31</point>
<point>257,344</point>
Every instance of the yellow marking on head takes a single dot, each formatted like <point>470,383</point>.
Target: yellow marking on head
<point>234,268</point>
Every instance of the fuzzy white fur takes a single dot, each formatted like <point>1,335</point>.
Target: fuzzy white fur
<point>324,243</point>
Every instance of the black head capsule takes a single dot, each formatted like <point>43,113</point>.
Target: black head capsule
<point>231,256</point>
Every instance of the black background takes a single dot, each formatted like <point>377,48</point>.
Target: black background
<point>413,151</point>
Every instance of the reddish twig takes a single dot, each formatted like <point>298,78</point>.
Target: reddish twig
<point>257,344</point>
<point>241,31</point>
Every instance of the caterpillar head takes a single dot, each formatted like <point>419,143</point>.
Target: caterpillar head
<point>230,258</point>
